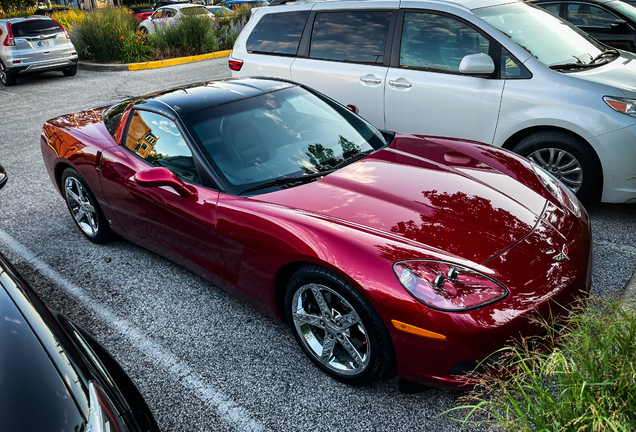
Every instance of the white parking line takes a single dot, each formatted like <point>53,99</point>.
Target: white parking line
<point>618,247</point>
<point>228,410</point>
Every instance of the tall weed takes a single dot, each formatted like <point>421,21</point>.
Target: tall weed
<point>190,35</point>
<point>586,382</point>
<point>99,36</point>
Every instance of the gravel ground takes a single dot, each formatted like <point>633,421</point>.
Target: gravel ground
<point>202,359</point>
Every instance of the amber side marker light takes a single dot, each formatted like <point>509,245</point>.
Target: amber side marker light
<point>417,331</point>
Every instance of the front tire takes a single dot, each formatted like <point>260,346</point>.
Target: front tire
<point>84,207</point>
<point>337,327</point>
<point>568,158</point>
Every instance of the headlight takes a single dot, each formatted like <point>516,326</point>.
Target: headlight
<point>446,286</point>
<point>562,193</point>
<point>102,416</point>
<point>622,105</point>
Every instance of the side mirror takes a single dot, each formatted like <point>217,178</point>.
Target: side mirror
<point>353,109</point>
<point>477,64</point>
<point>155,177</point>
<point>619,26</point>
<point>3,176</point>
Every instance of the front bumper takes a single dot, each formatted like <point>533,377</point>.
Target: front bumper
<point>539,286</point>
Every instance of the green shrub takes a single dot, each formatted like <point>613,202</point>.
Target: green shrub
<point>229,28</point>
<point>586,383</point>
<point>100,35</point>
<point>17,14</point>
<point>191,35</point>
<point>69,19</point>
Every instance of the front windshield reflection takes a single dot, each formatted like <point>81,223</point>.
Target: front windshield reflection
<point>547,37</point>
<point>284,134</point>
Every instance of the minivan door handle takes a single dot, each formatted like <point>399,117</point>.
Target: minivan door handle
<point>401,83</point>
<point>370,79</point>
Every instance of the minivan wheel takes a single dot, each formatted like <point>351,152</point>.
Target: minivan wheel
<point>568,158</point>
<point>337,327</point>
<point>6,77</point>
<point>72,71</point>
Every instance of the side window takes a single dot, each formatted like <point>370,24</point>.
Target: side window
<point>157,14</point>
<point>438,42</point>
<point>358,37</point>
<point>553,8</point>
<point>511,67</point>
<point>278,33</point>
<point>156,139</point>
<point>169,13</point>
<point>586,15</point>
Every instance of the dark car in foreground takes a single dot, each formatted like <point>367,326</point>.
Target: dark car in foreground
<point>53,375</point>
<point>375,247</point>
<point>612,22</point>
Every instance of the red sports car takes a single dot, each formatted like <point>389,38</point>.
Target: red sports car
<point>377,248</point>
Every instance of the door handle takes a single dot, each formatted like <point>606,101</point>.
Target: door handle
<point>371,80</point>
<point>400,84</point>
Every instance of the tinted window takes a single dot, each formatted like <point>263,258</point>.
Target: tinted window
<point>350,36</point>
<point>553,8</point>
<point>156,139</point>
<point>438,42</point>
<point>36,27</point>
<point>278,33</point>
<point>586,15</point>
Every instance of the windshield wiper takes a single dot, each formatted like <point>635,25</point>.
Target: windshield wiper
<point>566,66</point>
<point>610,51</point>
<point>353,159</point>
<point>287,180</point>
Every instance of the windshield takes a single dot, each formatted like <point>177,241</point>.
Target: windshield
<point>625,8</point>
<point>284,134</point>
<point>195,10</point>
<point>547,37</point>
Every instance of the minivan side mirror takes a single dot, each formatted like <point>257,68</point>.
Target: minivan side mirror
<point>477,64</point>
<point>160,176</point>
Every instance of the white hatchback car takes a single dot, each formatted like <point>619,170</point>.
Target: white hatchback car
<point>169,15</point>
<point>496,71</point>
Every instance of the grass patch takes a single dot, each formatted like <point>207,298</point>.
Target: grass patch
<point>99,37</point>
<point>587,382</point>
<point>192,35</point>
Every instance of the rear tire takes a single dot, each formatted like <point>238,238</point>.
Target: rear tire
<point>72,71</point>
<point>7,78</point>
<point>568,158</point>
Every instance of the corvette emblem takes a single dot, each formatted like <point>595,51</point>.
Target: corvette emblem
<point>563,255</point>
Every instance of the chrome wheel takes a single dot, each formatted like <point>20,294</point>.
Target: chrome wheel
<point>81,207</point>
<point>560,164</point>
<point>330,329</point>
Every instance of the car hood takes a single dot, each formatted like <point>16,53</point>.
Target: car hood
<point>28,378</point>
<point>449,201</point>
<point>620,73</point>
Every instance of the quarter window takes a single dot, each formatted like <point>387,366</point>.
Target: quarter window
<point>157,140</point>
<point>438,42</point>
<point>586,15</point>
<point>278,33</point>
<point>358,37</point>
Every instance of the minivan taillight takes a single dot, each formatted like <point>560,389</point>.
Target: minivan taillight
<point>235,65</point>
<point>9,41</point>
<point>62,27</point>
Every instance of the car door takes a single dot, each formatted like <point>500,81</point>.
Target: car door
<point>426,93</point>
<point>347,57</point>
<point>181,228</point>
<point>601,24</point>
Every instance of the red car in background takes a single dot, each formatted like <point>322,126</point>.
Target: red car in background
<point>140,13</point>
<point>377,248</point>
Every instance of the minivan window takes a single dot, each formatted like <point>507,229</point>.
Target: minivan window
<point>35,28</point>
<point>586,15</point>
<point>358,37</point>
<point>278,33</point>
<point>438,42</point>
<point>548,38</point>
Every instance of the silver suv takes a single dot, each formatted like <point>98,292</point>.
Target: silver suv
<point>34,44</point>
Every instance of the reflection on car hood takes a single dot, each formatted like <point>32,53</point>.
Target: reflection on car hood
<point>620,73</point>
<point>460,205</point>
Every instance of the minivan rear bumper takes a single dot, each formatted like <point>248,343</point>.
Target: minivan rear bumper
<point>44,65</point>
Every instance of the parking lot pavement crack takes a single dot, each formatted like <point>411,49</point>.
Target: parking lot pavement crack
<point>229,411</point>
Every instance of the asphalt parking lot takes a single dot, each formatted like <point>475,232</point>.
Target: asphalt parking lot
<point>202,359</point>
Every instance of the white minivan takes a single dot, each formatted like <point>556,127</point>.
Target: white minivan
<point>495,71</point>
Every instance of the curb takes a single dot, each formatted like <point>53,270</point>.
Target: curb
<point>629,295</point>
<point>151,65</point>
